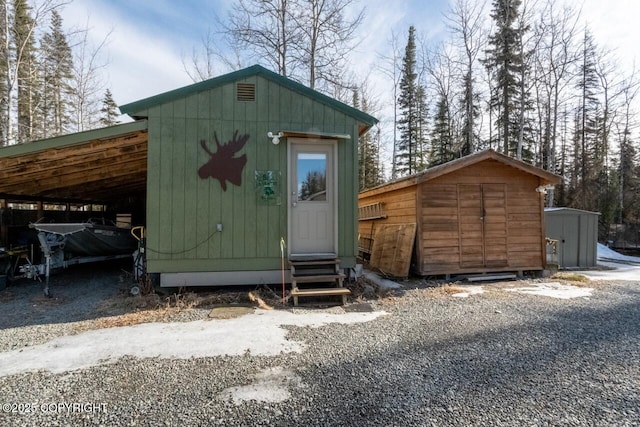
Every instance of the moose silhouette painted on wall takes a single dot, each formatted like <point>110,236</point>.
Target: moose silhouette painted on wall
<point>222,165</point>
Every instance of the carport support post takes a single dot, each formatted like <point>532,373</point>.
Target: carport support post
<point>4,228</point>
<point>40,210</point>
<point>47,273</point>
<point>46,250</point>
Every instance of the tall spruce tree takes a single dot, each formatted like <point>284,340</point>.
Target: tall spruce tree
<point>504,62</point>
<point>4,69</point>
<point>369,172</point>
<point>422,115</point>
<point>26,68</point>
<point>408,151</point>
<point>56,71</point>
<point>442,144</point>
<point>109,111</point>
<point>586,128</point>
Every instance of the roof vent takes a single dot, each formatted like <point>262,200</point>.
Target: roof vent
<point>246,92</point>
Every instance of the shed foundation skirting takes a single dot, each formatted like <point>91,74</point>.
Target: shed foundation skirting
<point>223,278</point>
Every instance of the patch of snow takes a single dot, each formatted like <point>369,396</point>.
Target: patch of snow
<point>605,252</point>
<point>259,333</point>
<point>623,267</point>
<point>554,290</point>
<point>619,272</point>
<point>271,386</point>
<point>468,291</point>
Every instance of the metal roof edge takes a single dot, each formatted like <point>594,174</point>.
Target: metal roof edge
<point>566,209</point>
<point>73,138</point>
<point>255,70</point>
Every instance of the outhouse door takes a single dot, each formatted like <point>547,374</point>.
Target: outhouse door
<point>482,215</point>
<point>312,197</point>
<point>569,241</point>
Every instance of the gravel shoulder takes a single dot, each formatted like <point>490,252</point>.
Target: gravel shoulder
<point>495,358</point>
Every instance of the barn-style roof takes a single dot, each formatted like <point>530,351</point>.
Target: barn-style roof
<point>138,109</point>
<point>99,165</point>
<point>545,176</point>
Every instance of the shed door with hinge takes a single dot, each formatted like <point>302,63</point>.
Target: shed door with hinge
<point>482,214</point>
<point>312,198</point>
<point>570,241</point>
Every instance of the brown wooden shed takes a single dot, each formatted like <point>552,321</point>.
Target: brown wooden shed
<point>477,214</point>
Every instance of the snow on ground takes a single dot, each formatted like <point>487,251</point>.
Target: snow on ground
<point>623,267</point>
<point>468,291</point>
<point>619,272</point>
<point>259,333</point>
<point>606,253</point>
<point>271,386</point>
<point>554,290</point>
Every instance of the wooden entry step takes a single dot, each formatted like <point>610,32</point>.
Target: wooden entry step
<point>296,292</point>
<point>319,278</point>
<point>317,271</point>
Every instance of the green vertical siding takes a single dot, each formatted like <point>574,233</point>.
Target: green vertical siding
<point>183,209</point>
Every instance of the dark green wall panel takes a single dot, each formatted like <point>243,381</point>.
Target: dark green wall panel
<point>183,209</point>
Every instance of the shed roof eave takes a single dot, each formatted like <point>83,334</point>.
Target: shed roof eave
<point>135,109</point>
<point>446,168</point>
<point>432,173</point>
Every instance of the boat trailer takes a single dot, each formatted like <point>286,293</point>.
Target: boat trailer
<point>52,247</point>
<point>64,245</point>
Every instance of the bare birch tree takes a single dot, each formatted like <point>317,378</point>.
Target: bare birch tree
<point>327,38</point>
<point>390,65</point>
<point>466,22</point>
<point>19,68</point>
<point>267,29</point>
<point>87,84</point>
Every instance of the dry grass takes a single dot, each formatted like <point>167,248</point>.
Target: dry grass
<point>129,319</point>
<point>127,310</point>
<point>451,289</point>
<point>570,277</point>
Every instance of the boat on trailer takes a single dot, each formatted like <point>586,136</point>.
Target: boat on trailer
<point>90,238</point>
<point>65,244</point>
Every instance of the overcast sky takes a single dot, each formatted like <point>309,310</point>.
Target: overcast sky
<point>149,38</point>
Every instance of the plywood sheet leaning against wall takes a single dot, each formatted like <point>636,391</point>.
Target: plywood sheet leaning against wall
<point>392,249</point>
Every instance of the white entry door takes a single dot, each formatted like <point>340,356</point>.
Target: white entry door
<point>312,197</point>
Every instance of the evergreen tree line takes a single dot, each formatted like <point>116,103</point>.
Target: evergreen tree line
<point>49,86</point>
<point>533,84</point>
<point>524,77</point>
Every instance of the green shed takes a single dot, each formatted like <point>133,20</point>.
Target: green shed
<point>240,163</point>
<point>577,234</point>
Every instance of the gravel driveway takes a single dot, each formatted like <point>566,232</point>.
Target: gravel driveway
<point>496,358</point>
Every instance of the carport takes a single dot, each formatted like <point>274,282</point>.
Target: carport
<point>106,167</point>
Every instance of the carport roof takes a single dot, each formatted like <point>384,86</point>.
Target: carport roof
<point>100,165</point>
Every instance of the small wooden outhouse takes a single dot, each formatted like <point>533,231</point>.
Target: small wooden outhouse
<point>477,214</point>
